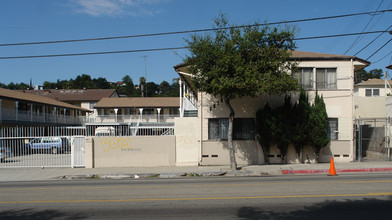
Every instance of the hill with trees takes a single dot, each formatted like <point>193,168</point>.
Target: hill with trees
<point>126,87</point>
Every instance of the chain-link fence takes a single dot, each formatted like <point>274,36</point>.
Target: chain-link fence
<point>372,139</point>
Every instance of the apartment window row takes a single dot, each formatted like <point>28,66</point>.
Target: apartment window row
<point>372,92</point>
<point>317,78</point>
<point>242,128</point>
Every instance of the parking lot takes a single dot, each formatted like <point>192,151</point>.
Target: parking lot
<point>38,159</point>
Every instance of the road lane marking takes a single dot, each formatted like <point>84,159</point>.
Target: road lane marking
<point>206,198</point>
<point>193,185</point>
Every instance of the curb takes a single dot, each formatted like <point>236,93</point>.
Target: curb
<point>362,170</point>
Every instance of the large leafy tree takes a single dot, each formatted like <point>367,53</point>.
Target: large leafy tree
<point>363,75</point>
<point>235,62</point>
<point>129,88</point>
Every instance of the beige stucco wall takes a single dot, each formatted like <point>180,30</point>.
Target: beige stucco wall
<point>131,151</point>
<point>217,153</point>
<point>361,91</point>
<point>187,133</point>
<point>370,107</point>
<point>339,104</point>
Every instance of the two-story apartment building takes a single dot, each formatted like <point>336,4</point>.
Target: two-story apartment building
<point>21,108</point>
<point>331,75</point>
<point>84,98</point>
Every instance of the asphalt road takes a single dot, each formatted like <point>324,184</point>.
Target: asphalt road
<point>284,197</point>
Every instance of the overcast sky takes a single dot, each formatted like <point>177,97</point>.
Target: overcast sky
<point>52,20</point>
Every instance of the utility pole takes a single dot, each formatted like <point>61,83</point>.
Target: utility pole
<point>145,72</point>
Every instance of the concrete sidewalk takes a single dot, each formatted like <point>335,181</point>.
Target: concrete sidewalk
<point>33,174</point>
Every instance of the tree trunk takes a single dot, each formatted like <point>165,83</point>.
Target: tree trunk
<point>266,154</point>
<point>233,163</point>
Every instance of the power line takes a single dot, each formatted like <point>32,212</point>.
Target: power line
<point>382,58</point>
<point>372,41</point>
<point>357,39</point>
<point>350,26</point>
<point>190,31</point>
<point>340,35</point>
<point>163,49</point>
<point>92,53</point>
<point>379,49</point>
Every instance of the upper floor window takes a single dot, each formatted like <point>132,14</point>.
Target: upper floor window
<point>372,92</point>
<point>305,77</point>
<point>326,78</point>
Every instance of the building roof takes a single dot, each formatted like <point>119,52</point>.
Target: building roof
<point>308,56</point>
<point>139,102</point>
<point>31,98</point>
<point>73,95</point>
<point>305,56</point>
<point>373,82</point>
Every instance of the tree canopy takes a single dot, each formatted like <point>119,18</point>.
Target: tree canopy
<point>235,62</point>
<point>363,75</point>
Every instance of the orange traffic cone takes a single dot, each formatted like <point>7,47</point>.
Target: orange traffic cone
<point>332,171</point>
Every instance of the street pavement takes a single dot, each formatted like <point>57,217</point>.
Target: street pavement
<point>49,173</point>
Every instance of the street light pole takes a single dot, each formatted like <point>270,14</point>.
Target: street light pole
<point>145,73</point>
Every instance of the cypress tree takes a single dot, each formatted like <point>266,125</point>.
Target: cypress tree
<point>300,137</point>
<point>318,122</point>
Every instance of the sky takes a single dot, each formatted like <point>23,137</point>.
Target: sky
<point>23,21</point>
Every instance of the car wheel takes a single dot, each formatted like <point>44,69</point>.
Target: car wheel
<point>54,150</point>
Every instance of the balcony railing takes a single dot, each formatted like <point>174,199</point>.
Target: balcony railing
<point>132,119</point>
<point>11,115</point>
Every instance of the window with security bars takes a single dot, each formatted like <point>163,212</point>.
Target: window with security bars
<point>242,128</point>
<point>333,131</point>
<point>372,92</point>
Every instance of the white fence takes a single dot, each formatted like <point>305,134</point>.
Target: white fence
<point>38,146</point>
<point>132,118</point>
<point>51,146</point>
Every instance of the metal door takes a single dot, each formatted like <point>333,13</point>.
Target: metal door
<point>78,158</point>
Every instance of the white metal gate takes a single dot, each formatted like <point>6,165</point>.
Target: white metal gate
<point>41,146</point>
<point>78,158</point>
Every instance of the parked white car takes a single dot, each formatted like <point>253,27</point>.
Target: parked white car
<point>105,131</point>
<point>53,144</point>
<point>5,152</point>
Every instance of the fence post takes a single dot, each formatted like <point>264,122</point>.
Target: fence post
<point>387,138</point>
<point>359,140</point>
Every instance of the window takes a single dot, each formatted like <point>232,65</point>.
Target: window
<point>242,128</point>
<point>217,128</point>
<point>305,77</point>
<point>333,128</point>
<point>148,111</point>
<point>173,111</point>
<point>372,92</point>
<point>326,78</point>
